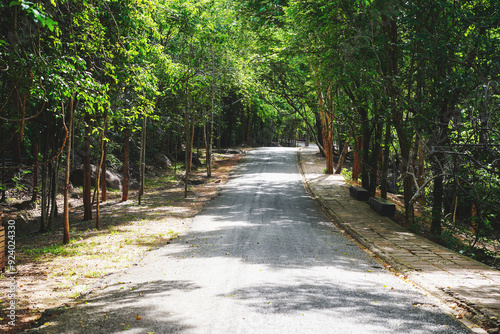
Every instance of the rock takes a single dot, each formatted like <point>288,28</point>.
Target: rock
<point>162,161</point>
<point>24,205</point>
<point>229,151</point>
<point>235,151</point>
<point>113,179</point>
<point>181,156</point>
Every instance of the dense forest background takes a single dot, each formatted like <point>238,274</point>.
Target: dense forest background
<point>407,91</point>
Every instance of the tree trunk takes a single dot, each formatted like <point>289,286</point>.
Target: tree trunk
<point>188,156</point>
<point>407,185</point>
<point>43,202</point>
<point>143,159</point>
<point>375,158</point>
<point>421,171</point>
<point>342,157</point>
<point>35,151</point>
<point>326,133</point>
<point>385,161</point>
<point>87,182</point>
<point>358,148</point>
<point>103,170</point>
<point>67,186</point>
<point>45,178</point>
<point>365,162</point>
<point>247,131</point>
<point>437,203</point>
<point>320,133</point>
<point>126,160</point>
<point>210,134</point>
<point>53,192</point>
<point>100,169</point>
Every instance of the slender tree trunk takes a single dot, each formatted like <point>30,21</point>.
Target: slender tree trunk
<point>210,134</point>
<point>358,148</point>
<point>326,134</point>
<point>407,182</point>
<point>319,129</point>
<point>421,171</point>
<point>53,193</point>
<point>437,203</point>
<point>188,157</point>
<point>66,233</point>
<point>385,161</point>
<point>365,165</point>
<point>87,183</point>
<point>45,178</point>
<point>43,204</point>
<point>103,170</point>
<point>143,159</point>
<point>342,157</point>
<point>375,158</point>
<point>35,150</point>
<point>191,143</point>
<point>126,160</point>
<point>100,168</point>
<point>247,131</point>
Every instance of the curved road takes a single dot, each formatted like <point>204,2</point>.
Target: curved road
<point>260,258</point>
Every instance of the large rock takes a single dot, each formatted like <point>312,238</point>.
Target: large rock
<point>113,180</point>
<point>181,156</point>
<point>162,161</point>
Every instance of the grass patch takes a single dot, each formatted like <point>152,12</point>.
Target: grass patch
<point>72,249</point>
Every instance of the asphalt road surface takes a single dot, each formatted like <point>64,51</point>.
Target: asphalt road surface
<point>260,258</point>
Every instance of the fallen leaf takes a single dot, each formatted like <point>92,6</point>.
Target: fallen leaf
<point>138,317</point>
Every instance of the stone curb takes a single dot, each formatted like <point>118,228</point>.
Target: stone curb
<point>478,316</point>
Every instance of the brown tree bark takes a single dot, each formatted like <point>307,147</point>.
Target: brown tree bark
<point>35,151</point>
<point>421,171</point>
<point>358,148</point>
<point>100,168</point>
<point>126,160</point>
<point>342,157</point>
<point>67,186</point>
<point>87,182</point>
<point>327,133</point>
<point>143,160</point>
<point>103,172</point>
<point>385,161</point>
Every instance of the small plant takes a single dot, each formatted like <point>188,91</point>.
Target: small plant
<point>17,179</point>
<point>346,173</point>
<point>92,274</point>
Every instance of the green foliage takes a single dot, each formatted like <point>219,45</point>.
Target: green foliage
<point>36,12</point>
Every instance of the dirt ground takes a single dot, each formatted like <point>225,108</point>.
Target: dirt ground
<point>51,276</point>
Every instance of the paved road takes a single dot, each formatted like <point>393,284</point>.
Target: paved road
<point>260,258</point>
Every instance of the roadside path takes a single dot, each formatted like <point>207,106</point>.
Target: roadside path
<point>470,289</point>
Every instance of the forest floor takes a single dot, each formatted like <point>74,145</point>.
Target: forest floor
<point>52,276</point>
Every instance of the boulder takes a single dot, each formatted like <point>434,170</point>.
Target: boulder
<point>181,156</point>
<point>113,179</point>
<point>162,161</point>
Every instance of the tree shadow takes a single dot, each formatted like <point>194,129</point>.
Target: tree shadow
<point>124,306</point>
<point>359,307</point>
